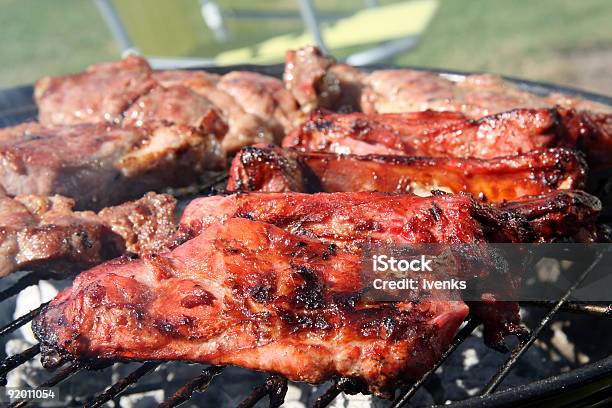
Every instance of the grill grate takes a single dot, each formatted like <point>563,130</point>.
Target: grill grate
<point>275,387</point>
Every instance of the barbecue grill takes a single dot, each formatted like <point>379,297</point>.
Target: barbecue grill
<point>587,385</point>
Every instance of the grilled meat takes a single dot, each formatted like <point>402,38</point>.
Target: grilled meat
<point>262,96</point>
<point>275,169</point>
<point>99,95</point>
<point>249,294</point>
<point>46,235</point>
<point>251,108</point>
<point>559,215</point>
<point>450,134</point>
<point>178,105</point>
<point>353,219</point>
<point>317,81</point>
<point>99,164</point>
<point>243,128</point>
<point>145,225</point>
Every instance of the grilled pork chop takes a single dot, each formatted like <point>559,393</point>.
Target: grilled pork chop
<point>46,235</point>
<point>249,294</point>
<point>451,134</point>
<point>275,169</point>
<point>317,81</point>
<point>99,164</point>
<point>351,220</point>
<point>255,107</point>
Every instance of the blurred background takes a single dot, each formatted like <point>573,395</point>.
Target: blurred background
<point>567,42</point>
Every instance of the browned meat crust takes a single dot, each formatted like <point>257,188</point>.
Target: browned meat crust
<point>100,165</point>
<point>560,215</point>
<point>98,95</point>
<point>275,169</point>
<point>256,108</point>
<point>317,81</point>
<point>249,294</point>
<point>46,235</point>
<point>450,134</point>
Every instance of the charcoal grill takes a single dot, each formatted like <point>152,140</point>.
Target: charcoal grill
<point>588,385</point>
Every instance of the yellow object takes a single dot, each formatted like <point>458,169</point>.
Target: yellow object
<point>368,26</point>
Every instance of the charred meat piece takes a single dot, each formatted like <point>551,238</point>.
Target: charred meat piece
<point>46,235</point>
<point>450,134</point>
<point>249,294</point>
<point>100,165</point>
<point>275,169</point>
<point>99,95</point>
<point>353,219</point>
<point>317,81</point>
<point>560,215</point>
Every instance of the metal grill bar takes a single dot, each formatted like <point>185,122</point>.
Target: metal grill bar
<point>328,396</point>
<point>23,282</point>
<point>275,387</point>
<point>114,390</point>
<point>463,334</point>
<point>20,321</point>
<point>15,361</point>
<point>200,383</point>
<point>525,344</point>
<point>603,310</point>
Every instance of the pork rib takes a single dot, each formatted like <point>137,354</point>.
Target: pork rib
<point>275,169</point>
<point>437,134</point>
<point>249,294</point>
<point>46,235</point>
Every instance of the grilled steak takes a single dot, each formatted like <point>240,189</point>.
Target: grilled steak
<point>46,235</point>
<point>450,134</point>
<point>249,294</point>
<point>275,169</point>
<point>99,164</point>
<point>317,81</point>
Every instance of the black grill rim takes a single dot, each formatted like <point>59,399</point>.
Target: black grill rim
<point>16,106</point>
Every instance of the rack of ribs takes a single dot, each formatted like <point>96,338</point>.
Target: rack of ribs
<point>317,81</point>
<point>46,235</point>
<point>436,134</point>
<point>275,169</point>
<point>255,107</point>
<point>101,164</point>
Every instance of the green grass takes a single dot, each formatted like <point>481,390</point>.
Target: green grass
<point>532,39</point>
